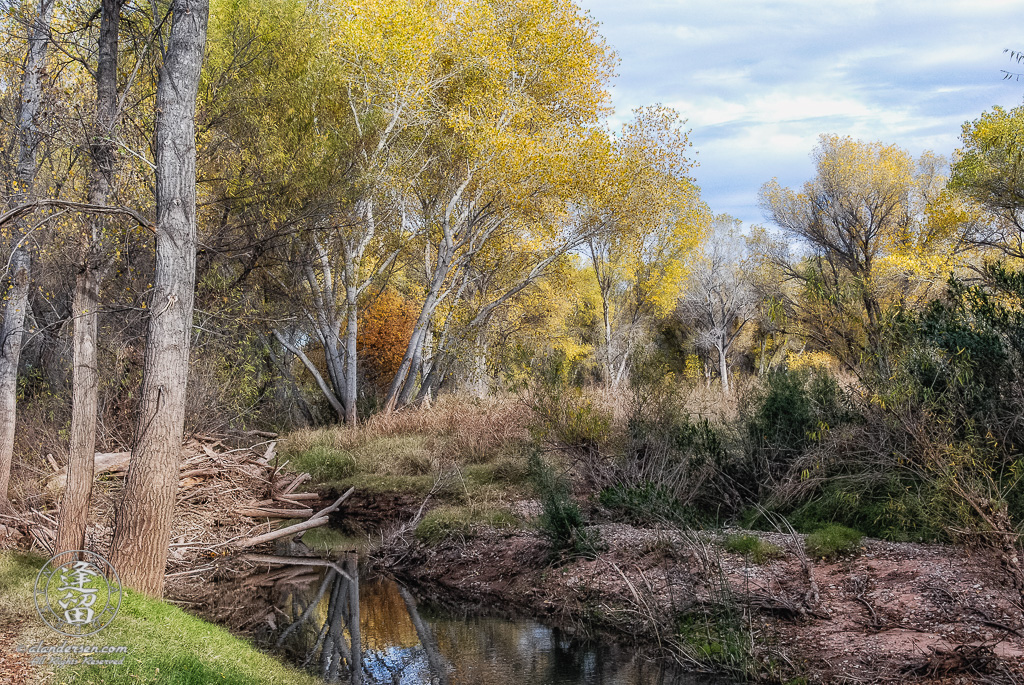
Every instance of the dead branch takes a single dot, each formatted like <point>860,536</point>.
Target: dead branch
<point>319,519</point>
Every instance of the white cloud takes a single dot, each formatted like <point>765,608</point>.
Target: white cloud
<point>758,82</point>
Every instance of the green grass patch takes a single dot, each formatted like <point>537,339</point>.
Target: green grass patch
<point>327,539</point>
<point>408,463</point>
<point>324,463</point>
<point>166,646</point>
<point>752,547</point>
<point>832,541</point>
<point>447,521</point>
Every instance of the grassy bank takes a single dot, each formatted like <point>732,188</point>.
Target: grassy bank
<point>165,645</point>
<point>470,455</point>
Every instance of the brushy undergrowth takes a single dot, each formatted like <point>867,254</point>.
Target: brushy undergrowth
<point>646,503</point>
<point>561,520</point>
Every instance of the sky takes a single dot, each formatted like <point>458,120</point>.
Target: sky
<point>759,81</point>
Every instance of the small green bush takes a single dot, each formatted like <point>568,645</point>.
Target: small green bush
<point>716,639</point>
<point>752,547</point>
<point>561,519</point>
<point>832,541</point>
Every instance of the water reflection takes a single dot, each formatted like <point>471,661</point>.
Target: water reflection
<point>325,619</point>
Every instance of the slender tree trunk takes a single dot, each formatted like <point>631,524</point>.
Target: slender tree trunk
<point>723,366</point>
<point>415,368</point>
<point>351,337</point>
<point>74,505</point>
<point>12,332</point>
<point>143,526</point>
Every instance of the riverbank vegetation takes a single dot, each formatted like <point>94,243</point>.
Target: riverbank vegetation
<point>406,238</point>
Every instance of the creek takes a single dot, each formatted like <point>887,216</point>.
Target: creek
<point>322,615</point>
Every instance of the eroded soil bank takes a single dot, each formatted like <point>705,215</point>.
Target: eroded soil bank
<point>891,612</point>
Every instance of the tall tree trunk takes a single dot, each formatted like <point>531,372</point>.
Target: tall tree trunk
<point>12,332</point>
<point>351,337</point>
<point>723,366</point>
<point>74,505</point>
<point>143,526</point>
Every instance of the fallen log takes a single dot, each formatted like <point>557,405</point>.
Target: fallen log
<point>103,462</point>
<point>319,519</point>
<point>298,496</point>
<point>299,480</point>
<point>293,561</point>
<point>266,512</point>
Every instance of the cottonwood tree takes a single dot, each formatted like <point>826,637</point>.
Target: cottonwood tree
<point>142,527</point>
<point>29,139</point>
<point>864,239</point>
<point>647,216</point>
<point>324,137</point>
<point>509,126</point>
<point>720,297</point>
<point>990,172</point>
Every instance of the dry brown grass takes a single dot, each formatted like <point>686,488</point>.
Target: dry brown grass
<point>476,446</point>
<point>455,429</point>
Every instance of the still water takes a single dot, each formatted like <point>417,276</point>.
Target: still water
<point>346,629</point>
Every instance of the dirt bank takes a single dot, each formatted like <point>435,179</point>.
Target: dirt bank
<point>892,612</point>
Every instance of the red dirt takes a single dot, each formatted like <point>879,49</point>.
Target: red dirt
<point>893,612</point>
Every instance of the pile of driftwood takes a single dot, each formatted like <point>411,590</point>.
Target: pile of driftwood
<point>229,497</point>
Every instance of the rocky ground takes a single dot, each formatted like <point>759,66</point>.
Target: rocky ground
<point>887,613</point>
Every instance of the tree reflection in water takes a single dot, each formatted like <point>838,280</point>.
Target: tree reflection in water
<point>373,631</point>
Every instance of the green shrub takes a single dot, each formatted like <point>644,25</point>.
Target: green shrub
<point>791,411</point>
<point>891,507</point>
<point>752,547</point>
<point>561,519</point>
<point>646,503</point>
<point>832,541</point>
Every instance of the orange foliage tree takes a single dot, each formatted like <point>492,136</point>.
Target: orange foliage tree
<point>385,328</point>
